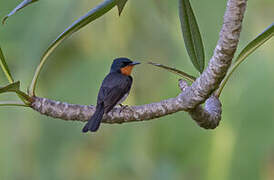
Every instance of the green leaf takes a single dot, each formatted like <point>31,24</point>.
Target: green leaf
<point>257,42</point>
<point>13,103</point>
<point>5,67</point>
<point>191,34</point>
<point>249,48</point>
<point>175,71</point>
<point>121,4</point>
<point>10,88</point>
<point>20,6</point>
<point>95,13</point>
<point>15,87</point>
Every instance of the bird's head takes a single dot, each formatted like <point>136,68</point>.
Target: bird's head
<point>123,65</point>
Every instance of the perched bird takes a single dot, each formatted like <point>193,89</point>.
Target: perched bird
<point>114,90</point>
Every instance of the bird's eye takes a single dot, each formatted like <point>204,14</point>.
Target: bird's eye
<point>126,63</point>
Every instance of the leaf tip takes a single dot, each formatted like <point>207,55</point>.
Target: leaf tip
<point>154,64</point>
<point>201,69</point>
<point>4,20</point>
<point>119,10</point>
<point>120,5</point>
<point>191,35</point>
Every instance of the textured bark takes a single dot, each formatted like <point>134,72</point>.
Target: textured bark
<point>65,111</point>
<point>188,100</point>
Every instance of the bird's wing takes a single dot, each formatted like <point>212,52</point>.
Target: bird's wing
<point>113,98</point>
<point>113,88</point>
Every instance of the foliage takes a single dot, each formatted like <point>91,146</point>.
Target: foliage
<point>20,6</point>
<point>36,148</point>
<point>5,67</point>
<point>191,34</point>
<point>249,49</point>
<point>175,71</point>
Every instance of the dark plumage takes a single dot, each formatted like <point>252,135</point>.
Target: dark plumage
<point>114,89</point>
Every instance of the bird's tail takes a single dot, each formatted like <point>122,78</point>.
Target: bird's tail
<point>94,122</point>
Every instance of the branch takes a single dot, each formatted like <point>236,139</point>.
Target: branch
<point>188,100</point>
<point>65,111</point>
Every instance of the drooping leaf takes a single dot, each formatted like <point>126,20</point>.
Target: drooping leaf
<point>249,48</point>
<point>95,13</point>
<point>20,6</point>
<point>175,71</point>
<point>191,34</point>
<point>15,87</point>
<point>5,67</point>
<point>121,4</point>
<point>13,103</point>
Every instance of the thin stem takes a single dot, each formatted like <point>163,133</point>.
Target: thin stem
<point>13,103</point>
<point>24,97</point>
<point>223,83</point>
<point>175,71</point>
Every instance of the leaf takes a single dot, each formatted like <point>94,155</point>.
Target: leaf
<point>249,49</point>
<point>15,87</point>
<point>20,6</point>
<point>95,13</point>
<point>121,4</point>
<point>257,42</point>
<point>11,87</point>
<point>191,34</point>
<point>5,67</point>
<point>175,71</point>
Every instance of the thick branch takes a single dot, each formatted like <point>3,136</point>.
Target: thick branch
<point>190,98</point>
<point>56,109</point>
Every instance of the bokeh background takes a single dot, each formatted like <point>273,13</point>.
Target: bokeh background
<point>33,146</point>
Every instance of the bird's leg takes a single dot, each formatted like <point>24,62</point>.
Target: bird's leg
<point>125,107</point>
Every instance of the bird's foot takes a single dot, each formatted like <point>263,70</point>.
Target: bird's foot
<point>123,107</point>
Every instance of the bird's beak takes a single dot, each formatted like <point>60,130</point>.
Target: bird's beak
<point>134,63</point>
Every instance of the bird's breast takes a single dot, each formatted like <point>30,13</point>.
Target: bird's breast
<point>126,70</point>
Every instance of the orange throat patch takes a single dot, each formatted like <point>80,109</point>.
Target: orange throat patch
<point>126,70</point>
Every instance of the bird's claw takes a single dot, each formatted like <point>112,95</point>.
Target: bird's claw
<point>123,107</point>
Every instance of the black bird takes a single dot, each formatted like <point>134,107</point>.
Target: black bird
<point>114,90</point>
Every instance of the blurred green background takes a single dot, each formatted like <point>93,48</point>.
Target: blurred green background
<point>173,147</point>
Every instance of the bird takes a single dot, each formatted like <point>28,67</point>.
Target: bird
<point>113,91</point>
